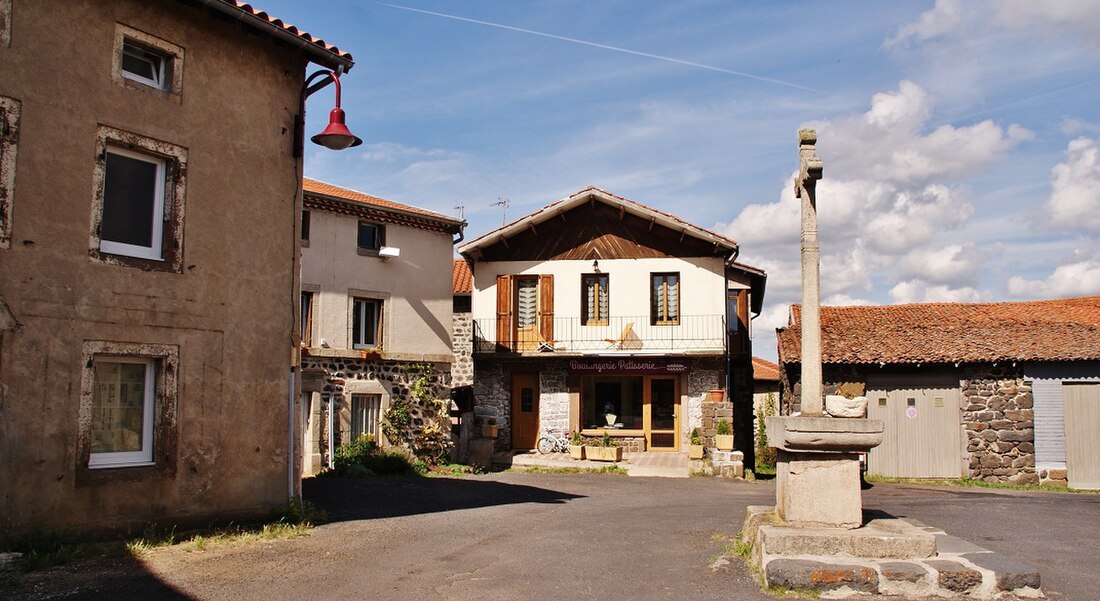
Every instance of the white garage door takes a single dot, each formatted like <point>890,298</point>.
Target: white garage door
<point>923,435</point>
<point>1082,411</point>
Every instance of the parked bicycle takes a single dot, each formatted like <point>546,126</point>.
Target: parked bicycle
<point>553,443</point>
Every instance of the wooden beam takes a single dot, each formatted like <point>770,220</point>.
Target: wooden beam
<point>532,226</point>
<point>652,220</point>
<point>562,215</point>
<point>622,212</point>
<point>504,241</point>
<point>682,234</point>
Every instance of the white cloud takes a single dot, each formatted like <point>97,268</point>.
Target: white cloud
<point>951,264</point>
<point>1074,202</point>
<point>888,203</point>
<point>1072,126</point>
<point>1081,16</point>
<point>1080,278</point>
<point>944,17</point>
<point>919,291</point>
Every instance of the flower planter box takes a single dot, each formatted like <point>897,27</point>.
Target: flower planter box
<point>603,453</point>
<point>488,431</point>
<point>724,442</point>
<point>695,451</point>
<point>576,451</point>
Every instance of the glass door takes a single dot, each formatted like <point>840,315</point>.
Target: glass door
<point>662,414</point>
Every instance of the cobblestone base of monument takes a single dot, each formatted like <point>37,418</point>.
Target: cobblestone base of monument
<point>950,568</point>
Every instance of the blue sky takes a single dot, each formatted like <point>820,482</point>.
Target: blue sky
<point>961,140</point>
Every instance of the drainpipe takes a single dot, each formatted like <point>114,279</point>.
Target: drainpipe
<point>292,494</point>
<point>331,432</point>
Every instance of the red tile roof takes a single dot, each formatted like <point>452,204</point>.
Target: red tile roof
<point>262,18</point>
<point>462,279</point>
<point>762,369</point>
<point>1052,330</point>
<point>316,191</point>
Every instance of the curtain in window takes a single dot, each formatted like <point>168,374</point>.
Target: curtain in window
<point>526,304</point>
<point>595,298</point>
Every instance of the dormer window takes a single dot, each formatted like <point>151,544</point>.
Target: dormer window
<point>144,66</point>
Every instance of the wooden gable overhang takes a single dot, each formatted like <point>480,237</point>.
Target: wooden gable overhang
<point>598,227</point>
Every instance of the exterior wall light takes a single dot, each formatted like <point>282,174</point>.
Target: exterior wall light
<point>336,136</point>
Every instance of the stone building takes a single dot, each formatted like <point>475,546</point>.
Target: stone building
<point>1003,392</point>
<point>148,195</point>
<point>601,315</point>
<point>376,315</point>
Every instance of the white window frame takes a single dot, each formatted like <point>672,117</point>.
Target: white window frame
<point>369,416</point>
<point>137,51</point>
<point>154,252</point>
<point>145,455</point>
<point>357,304</point>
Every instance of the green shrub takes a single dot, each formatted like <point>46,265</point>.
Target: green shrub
<point>576,439</point>
<point>695,438</point>
<point>362,457</point>
<point>354,453</point>
<point>765,455</point>
<point>723,428</point>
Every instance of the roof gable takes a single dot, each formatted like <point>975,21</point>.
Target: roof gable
<point>1052,330</point>
<point>596,224</point>
<point>328,197</point>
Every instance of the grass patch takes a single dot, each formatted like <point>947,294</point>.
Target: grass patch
<point>41,549</point>
<point>612,470</point>
<point>975,483</point>
<point>454,469</point>
<point>793,593</point>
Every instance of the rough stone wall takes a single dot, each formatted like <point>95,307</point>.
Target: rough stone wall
<point>999,424</point>
<point>712,414</point>
<point>462,339</point>
<point>492,398</point>
<point>554,397</point>
<point>394,376</point>
<point>630,444</point>
<point>706,375</point>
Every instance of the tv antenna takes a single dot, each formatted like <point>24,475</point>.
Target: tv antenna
<point>461,212</point>
<point>503,204</point>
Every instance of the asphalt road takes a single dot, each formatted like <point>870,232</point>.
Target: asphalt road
<point>538,536</point>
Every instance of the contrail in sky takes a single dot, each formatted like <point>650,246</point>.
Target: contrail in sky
<point>605,47</point>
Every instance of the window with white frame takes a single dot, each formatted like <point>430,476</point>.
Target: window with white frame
<point>366,323</point>
<point>122,411</point>
<point>366,412</point>
<point>132,223</point>
<point>138,201</point>
<point>144,65</point>
<point>145,62</point>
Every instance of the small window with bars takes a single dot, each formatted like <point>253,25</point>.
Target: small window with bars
<point>366,413</point>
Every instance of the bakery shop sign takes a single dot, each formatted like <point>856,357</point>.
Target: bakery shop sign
<point>627,366</point>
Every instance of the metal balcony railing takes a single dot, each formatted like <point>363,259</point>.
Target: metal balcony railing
<point>697,333</point>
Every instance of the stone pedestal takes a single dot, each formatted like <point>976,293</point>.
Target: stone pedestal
<point>818,490</point>
<point>817,474</point>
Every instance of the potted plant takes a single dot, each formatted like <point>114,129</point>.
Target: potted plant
<point>723,435</point>
<point>606,449</point>
<point>716,395</point>
<point>576,445</point>
<point>490,429</point>
<point>695,449</point>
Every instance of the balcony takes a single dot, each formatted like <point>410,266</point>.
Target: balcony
<point>695,334</point>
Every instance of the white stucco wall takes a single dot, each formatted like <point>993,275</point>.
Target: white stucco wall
<point>415,287</point>
<point>702,293</point>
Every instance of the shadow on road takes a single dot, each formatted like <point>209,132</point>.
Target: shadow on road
<point>386,496</point>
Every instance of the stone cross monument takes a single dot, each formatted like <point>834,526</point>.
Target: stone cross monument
<point>809,171</point>
<point>817,473</point>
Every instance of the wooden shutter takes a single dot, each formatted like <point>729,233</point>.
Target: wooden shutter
<point>546,308</point>
<point>504,313</point>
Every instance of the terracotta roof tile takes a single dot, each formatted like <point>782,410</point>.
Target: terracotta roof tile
<point>1051,330</point>
<point>248,9</point>
<point>462,279</point>
<point>762,369</point>
<point>312,186</point>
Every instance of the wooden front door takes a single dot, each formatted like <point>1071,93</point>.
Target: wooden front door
<point>525,410</point>
<point>1081,402</point>
<point>661,413</point>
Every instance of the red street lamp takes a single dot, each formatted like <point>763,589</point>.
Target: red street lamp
<point>336,136</point>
